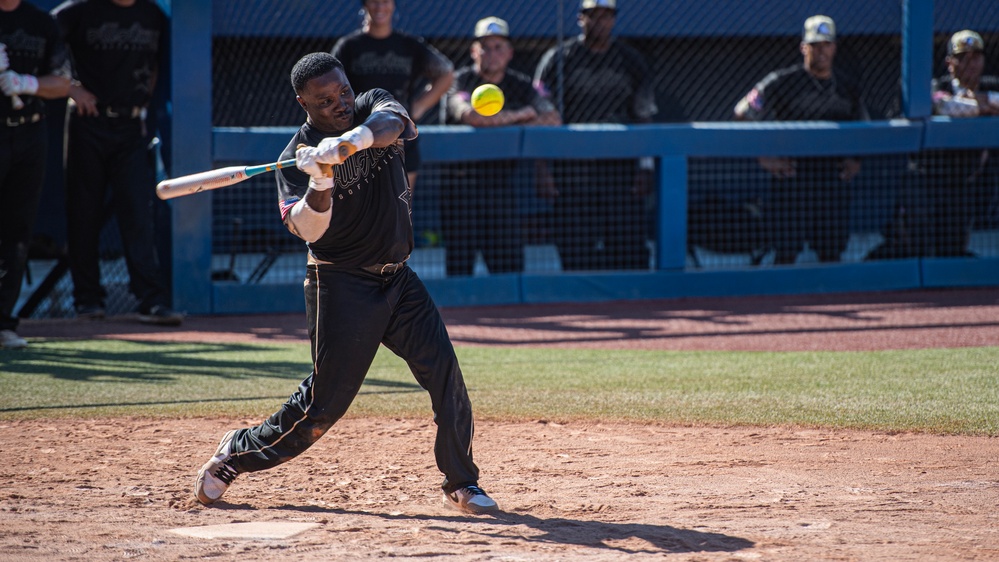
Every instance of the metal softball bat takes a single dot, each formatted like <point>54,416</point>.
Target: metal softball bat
<point>214,179</point>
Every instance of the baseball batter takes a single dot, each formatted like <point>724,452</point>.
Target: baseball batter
<point>350,201</point>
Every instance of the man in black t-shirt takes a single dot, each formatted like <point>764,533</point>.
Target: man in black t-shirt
<point>33,68</point>
<point>480,207</point>
<point>378,56</point>
<point>956,179</point>
<point>349,200</point>
<point>118,49</point>
<point>809,197</point>
<point>600,205</point>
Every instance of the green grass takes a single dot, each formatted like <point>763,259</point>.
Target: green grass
<point>933,390</point>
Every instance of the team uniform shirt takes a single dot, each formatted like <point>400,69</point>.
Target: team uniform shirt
<point>517,93</point>
<point>964,161</point>
<point>396,63</point>
<point>115,51</point>
<point>34,47</point>
<point>947,87</point>
<point>608,87</point>
<point>792,94</point>
<point>371,219</point>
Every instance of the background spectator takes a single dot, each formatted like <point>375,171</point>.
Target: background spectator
<point>809,197</point>
<point>480,206</point>
<point>600,206</point>
<point>33,67</point>
<point>117,49</point>
<point>955,179</point>
<point>378,56</point>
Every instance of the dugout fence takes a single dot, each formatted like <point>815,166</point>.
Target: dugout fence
<point>704,228</point>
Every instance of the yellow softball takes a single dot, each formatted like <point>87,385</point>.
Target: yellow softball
<point>487,99</point>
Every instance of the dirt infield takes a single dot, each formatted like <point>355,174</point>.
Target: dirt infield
<point>113,489</point>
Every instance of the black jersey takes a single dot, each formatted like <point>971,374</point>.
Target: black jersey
<point>115,50</point>
<point>947,86</point>
<point>396,63</point>
<point>517,93</point>
<point>792,94</point>
<point>608,87</point>
<point>371,218</point>
<point>34,47</point>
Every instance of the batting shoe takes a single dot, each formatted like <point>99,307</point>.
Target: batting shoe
<point>471,499</point>
<point>214,478</point>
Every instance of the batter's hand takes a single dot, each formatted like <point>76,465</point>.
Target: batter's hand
<point>306,159</point>
<point>13,83</point>
<point>334,150</point>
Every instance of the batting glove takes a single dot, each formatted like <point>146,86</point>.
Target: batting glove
<point>321,175</point>
<point>335,150</point>
<point>13,83</point>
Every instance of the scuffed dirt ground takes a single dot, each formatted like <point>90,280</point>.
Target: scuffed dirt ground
<point>112,489</point>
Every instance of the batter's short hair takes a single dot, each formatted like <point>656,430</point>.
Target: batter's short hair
<point>310,66</point>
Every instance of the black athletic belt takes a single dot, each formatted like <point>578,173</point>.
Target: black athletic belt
<point>23,119</point>
<point>383,269</point>
<point>123,112</point>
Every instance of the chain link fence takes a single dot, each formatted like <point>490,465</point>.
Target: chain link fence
<point>698,60</point>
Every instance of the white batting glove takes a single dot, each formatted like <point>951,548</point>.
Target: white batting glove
<point>360,137</point>
<point>13,83</point>
<point>305,160</point>
<point>4,59</point>
<point>335,150</point>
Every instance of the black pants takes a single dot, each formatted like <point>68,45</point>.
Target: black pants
<point>812,206</point>
<point>955,195</point>
<point>600,221</point>
<point>350,313</point>
<point>22,173</point>
<point>111,153</point>
<point>480,211</point>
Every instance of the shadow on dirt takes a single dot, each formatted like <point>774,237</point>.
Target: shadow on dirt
<point>624,538</point>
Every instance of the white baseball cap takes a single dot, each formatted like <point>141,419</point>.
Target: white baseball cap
<point>964,41</point>
<point>486,27</point>
<point>593,4</point>
<point>819,29</point>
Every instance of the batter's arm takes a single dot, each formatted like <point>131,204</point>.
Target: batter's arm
<point>386,127</point>
<point>310,217</point>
